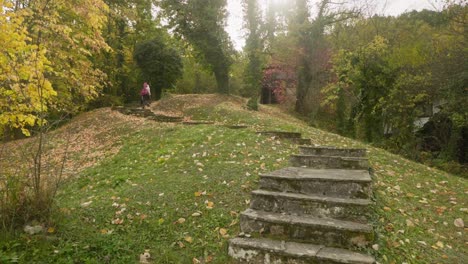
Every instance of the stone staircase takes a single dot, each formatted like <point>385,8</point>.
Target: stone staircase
<point>148,114</point>
<point>316,211</point>
<point>294,137</point>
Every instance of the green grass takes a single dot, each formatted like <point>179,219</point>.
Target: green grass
<point>160,171</point>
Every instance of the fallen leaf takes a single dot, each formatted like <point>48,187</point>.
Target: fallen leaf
<point>459,222</point>
<point>86,204</point>
<point>180,220</point>
<point>117,221</point>
<point>50,230</point>
<point>223,231</point>
<point>440,244</point>
<point>188,239</point>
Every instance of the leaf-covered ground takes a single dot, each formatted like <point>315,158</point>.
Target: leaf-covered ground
<point>177,190</point>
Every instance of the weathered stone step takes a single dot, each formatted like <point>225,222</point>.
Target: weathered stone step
<point>261,250</point>
<point>332,151</point>
<point>324,231</point>
<point>236,126</point>
<point>332,183</point>
<point>329,162</point>
<point>280,134</point>
<point>197,122</point>
<point>165,118</point>
<point>357,210</point>
<point>301,141</point>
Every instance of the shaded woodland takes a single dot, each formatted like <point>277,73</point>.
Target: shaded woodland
<point>398,82</point>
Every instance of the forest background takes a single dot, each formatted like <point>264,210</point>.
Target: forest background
<point>355,73</point>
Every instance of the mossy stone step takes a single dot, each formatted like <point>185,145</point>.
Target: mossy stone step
<point>357,210</point>
<point>332,151</point>
<point>301,141</point>
<point>261,251</point>
<point>197,122</point>
<point>320,182</point>
<point>236,126</point>
<point>324,231</point>
<point>329,162</point>
<point>280,134</point>
<point>165,118</point>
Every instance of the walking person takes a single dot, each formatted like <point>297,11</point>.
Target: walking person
<point>145,94</point>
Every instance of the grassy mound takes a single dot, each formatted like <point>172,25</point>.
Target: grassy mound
<point>177,190</point>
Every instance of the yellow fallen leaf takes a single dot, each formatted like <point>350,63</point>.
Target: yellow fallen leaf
<point>104,231</point>
<point>50,230</point>
<point>209,205</point>
<point>181,220</point>
<point>440,244</point>
<point>387,209</point>
<point>197,194</point>
<point>409,223</point>
<point>161,220</point>
<point>188,239</point>
<point>223,231</point>
<point>459,222</point>
<point>233,213</point>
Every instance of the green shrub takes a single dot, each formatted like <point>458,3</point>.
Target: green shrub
<point>105,100</point>
<point>252,104</point>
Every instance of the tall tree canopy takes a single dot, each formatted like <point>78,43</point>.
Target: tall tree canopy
<point>201,23</point>
<point>160,64</point>
<point>253,49</point>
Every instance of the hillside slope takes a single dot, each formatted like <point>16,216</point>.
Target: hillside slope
<point>176,190</point>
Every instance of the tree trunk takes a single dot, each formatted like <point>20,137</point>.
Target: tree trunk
<point>303,83</point>
<point>222,80</point>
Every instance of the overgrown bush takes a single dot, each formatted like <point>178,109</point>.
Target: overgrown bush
<point>252,104</point>
<point>105,100</point>
<point>30,175</point>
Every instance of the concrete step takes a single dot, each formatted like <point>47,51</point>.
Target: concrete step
<point>329,162</point>
<point>332,151</point>
<point>280,134</point>
<point>320,182</point>
<point>167,119</point>
<point>357,210</point>
<point>198,122</point>
<point>301,141</point>
<point>261,250</point>
<point>327,232</point>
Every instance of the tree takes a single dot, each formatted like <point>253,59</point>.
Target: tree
<point>312,47</point>
<point>160,64</point>
<point>253,49</point>
<point>70,33</point>
<point>25,92</point>
<point>201,23</point>
<point>128,22</point>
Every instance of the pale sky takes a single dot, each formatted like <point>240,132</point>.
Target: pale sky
<point>386,7</point>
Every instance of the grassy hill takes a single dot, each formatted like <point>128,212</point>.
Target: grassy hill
<point>176,190</point>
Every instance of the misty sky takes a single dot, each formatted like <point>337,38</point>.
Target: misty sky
<point>386,7</point>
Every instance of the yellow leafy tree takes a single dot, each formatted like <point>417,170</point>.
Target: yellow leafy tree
<point>25,92</point>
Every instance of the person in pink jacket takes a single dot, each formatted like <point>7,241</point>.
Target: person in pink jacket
<point>145,94</point>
